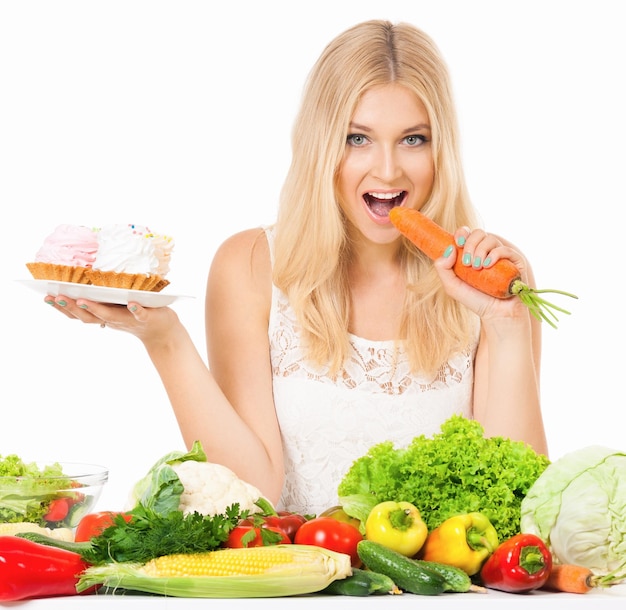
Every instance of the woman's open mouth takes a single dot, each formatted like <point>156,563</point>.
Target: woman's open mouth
<point>381,203</point>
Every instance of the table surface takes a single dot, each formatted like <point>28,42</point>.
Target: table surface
<point>613,597</point>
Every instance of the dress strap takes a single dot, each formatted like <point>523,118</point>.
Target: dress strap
<point>269,235</point>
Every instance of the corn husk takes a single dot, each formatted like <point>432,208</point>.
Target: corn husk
<point>312,569</point>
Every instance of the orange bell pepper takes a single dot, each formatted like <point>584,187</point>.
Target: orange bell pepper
<point>465,541</point>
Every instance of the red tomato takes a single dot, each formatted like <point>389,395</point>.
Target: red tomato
<point>331,534</point>
<point>91,525</point>
<point>58,509</point>
<point>288,522</point>
<point>246,535</point>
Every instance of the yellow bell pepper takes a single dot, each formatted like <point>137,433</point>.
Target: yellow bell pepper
<point>398,526</point>
<point>465,541</point>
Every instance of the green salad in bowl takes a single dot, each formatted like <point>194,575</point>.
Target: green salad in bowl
<point>51,495</point>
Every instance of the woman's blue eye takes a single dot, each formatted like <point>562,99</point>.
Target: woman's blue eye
<point>415,140</point>
<point>356,139</point>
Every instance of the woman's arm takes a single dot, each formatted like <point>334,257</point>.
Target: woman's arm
<point>229,408</point>
<point>506,383</point>
<point>508,359</point>
<point>238,300</point>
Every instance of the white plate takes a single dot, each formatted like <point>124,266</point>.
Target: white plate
<point>102,294</point>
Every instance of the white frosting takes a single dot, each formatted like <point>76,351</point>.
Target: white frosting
<point>132,249</point>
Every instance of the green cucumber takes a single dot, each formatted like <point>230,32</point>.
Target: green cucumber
<point>457,580</point>
<point>67,545</point>
<point>361,583</point>
<point>407,573</point>
<point>77,512</point>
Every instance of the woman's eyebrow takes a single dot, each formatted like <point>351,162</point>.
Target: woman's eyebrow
<point>365,128</point>
<point>357,127</point>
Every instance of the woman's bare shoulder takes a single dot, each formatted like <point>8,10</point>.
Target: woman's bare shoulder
<point>243,260</point>
<point>244,242</point>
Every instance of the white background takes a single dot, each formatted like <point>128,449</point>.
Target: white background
<point>177,115</point>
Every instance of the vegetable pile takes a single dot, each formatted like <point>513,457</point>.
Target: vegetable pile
<point>456,471</point>
<point>371,546</point>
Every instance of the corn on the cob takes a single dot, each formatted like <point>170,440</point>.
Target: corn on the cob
<point>266,571</point>
<point>60,533</point>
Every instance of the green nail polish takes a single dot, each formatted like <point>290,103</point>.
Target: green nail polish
<point>62,303</point>
<point>133,308</point>
<point>477,262</point>
<point>467,259</point>
<point>83,306</point>
<point>448,251</point>
<point>461,240</point>
<point>487,262</point>
<point>50,302</point>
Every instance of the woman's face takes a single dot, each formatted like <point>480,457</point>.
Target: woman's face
<point>387,162</point>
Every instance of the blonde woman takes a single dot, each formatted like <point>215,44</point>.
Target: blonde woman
<point>327,332</point>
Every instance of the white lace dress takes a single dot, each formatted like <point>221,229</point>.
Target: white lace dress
<point>327,424</point>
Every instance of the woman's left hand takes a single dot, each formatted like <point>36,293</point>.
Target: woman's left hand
<point>482,250</point>
<point>147,324</point>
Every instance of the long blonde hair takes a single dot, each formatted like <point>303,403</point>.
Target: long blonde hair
<point>311,246</point>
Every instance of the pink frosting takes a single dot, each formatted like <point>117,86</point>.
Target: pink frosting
<point>72,245</point>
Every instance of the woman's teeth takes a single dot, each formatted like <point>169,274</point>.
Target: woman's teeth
<point>385,195</point>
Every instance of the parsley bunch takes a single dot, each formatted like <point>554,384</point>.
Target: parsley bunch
<point>150,534</point>
<point>454,472</point>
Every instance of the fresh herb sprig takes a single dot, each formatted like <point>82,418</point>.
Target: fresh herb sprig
<point>150,534</point>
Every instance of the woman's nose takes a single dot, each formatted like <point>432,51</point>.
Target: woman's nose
<point>387,166</point>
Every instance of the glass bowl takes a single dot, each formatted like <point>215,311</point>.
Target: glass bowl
<point>51,495</point>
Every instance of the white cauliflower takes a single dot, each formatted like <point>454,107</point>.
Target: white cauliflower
<point>187,482</point>
<point>211,488</point>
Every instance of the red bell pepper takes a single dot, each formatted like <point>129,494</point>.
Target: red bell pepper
<point>286,521</point>
<point>519,565</point>
<point>246,534</point>
<point>30,570</point>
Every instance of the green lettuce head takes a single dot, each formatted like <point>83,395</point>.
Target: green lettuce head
<point>459,470</point>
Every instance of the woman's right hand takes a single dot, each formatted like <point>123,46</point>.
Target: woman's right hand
<point>148,324</point>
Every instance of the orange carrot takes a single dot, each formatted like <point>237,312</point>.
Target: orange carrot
<point>501,280</point>
<point>570,578</point>
<point>573,578</point>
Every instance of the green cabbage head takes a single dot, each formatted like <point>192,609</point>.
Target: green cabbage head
<point>578,507</point>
